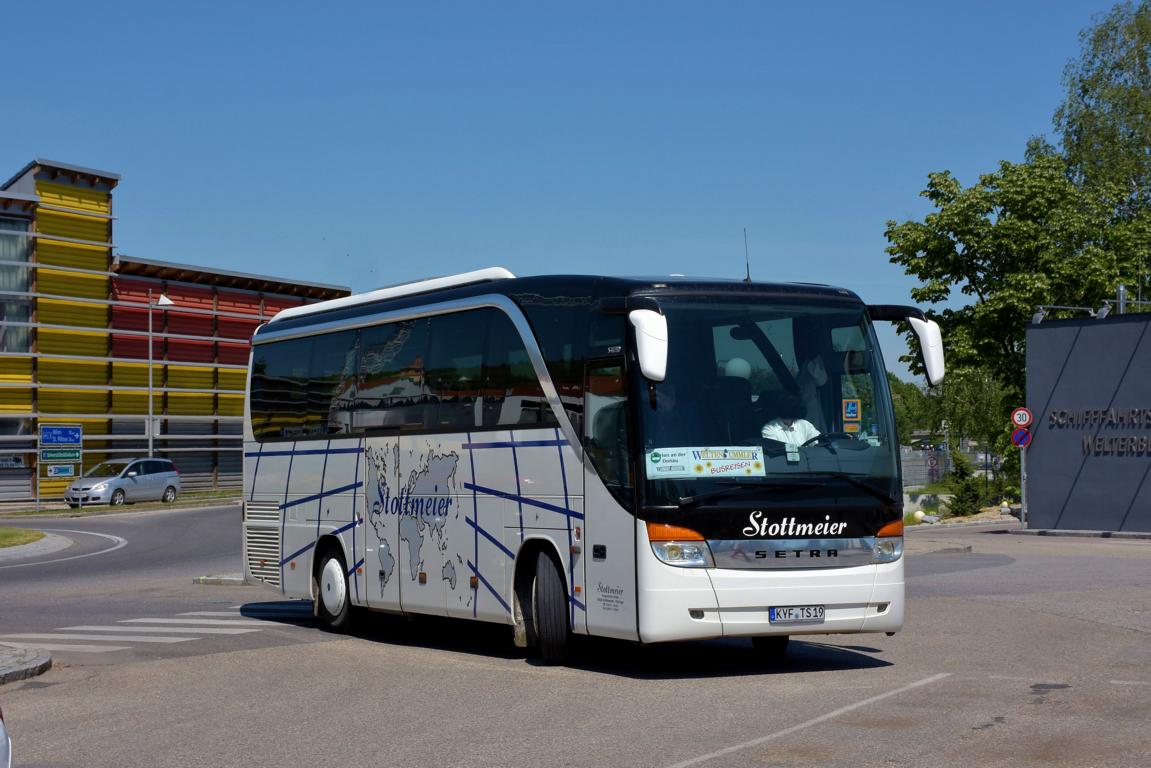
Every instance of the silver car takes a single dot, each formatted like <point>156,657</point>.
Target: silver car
<point>126,480</point>
<point>5,744</point>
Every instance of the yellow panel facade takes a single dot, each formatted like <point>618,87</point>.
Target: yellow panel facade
<point>72,372</point>
<point>73,226</point>
<point>231,405</point>
<point>55,312</point>
<point>133,402</point>
<point>73,401</point>
<point>15,400</point>
<point>232,379</point>
<point>77,198</point>
<point>132,374</point>
<point>72,255</point>
<point>60,283</point>
<point>57,342</point>
<point>187,377</point>
<point>188,404</point>
<point>16,369</point>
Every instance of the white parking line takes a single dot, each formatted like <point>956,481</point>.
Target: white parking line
<point>73,648</point>
<point>212,622</point>
<point>184,630</point>
<point>120,638</point>
<point>814,721</point>
<point>1128,682</point>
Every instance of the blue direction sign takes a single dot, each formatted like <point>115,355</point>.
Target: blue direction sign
<point>1021,437</point>
<point>61,434</point>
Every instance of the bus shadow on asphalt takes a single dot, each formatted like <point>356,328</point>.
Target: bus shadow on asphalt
<point>661,661</point>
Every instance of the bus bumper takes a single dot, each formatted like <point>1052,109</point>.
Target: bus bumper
<point>695,604</point>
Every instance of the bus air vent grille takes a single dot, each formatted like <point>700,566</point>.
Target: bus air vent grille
<point>262,548</point>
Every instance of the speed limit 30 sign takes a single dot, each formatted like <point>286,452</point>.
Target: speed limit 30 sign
<point>1021,417</point>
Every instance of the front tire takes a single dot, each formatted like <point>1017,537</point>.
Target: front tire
<point>550,606</point>
<point>117,497</point>
<point>169,495</point>
<point>331,604</point>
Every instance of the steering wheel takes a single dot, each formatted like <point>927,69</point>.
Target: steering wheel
<point>827,437</point>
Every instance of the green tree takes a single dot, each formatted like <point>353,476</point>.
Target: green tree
<point>1105,119</point>
<point>1022,236</point>
<point>915,410</point>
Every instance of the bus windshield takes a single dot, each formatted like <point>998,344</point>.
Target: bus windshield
<point>767,401</point>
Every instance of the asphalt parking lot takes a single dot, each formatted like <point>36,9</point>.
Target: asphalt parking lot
<point>1018,651</point>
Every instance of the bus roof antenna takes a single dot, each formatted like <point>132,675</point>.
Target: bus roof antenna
<point>746,258</point>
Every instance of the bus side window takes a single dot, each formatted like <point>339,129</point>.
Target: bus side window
<point>391,389</point>
<point>512,394</point>
<point>454,367</point>
<point>607,423</point>
<point>279,394</point>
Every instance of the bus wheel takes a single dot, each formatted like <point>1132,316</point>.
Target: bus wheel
<point>771,648</point>
<point>332,606</point>
<point>551,612</point>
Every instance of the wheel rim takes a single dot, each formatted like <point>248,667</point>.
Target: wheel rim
<point>118,498</point>
<point>333,589</point>
<point>169,495</point>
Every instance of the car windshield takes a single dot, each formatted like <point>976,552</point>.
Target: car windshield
<point>767,400</point>
<point>106,469</point>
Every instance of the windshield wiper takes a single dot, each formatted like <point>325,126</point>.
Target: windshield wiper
<point>854,480</point>
<point>736,488</point>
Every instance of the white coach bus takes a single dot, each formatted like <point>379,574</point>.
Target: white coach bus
<point>649,459</point>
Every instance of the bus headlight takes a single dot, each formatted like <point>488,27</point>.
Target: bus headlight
<point>678,546</point>
<point>888,543</point>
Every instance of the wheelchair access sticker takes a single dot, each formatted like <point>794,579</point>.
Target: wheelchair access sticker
<point>851,408</point>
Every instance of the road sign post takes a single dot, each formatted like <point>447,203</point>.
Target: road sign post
<point>58,443</point>
<point>1021,419</point>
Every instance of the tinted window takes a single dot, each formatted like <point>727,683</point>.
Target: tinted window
<point>278,400</point>
<point>512,391</point>
<point>391,390</point>
<point>454,369</point>
<point>331,383</point>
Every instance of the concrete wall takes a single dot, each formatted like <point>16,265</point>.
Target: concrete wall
<point>1089,387</point>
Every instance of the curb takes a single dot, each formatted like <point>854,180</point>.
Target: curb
<point>1128,535</point>
<point>108,510</point>
<point>22,663</point>
<point>1011,525</point>
<point>221,581</point>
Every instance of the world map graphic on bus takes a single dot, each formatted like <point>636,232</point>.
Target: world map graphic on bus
<point>422,505</point>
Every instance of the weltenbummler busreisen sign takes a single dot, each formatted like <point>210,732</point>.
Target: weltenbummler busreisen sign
<point>1089,387</point>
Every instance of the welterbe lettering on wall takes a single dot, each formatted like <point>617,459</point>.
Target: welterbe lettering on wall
<point>1103,418</point>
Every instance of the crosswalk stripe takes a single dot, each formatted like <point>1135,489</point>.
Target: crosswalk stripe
<point>212,622</point>
<point>253,613</point>
<point>73,648</point>
<point>120,638</point>
<point>181,629</point>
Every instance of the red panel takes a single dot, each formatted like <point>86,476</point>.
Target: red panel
<point>233,354</point>
<point>191,351</point>
<point>132,319</point>
<point>273,304</point>
<point>189,324</point>
<point>136,347</point>
<point>236,328</point>
<point>191,296</point>
<point>248,303</point>
<point>125,289</point>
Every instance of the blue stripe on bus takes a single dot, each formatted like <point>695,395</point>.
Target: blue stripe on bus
<point>525,500</point>
<point>316,496</point>
<point>312,452</point>
<point>357,565</point>
<point>577,603</point>
<point>323,478</point>
<point>490,538</point>
<point>256,471</point>
<point>306,547</point>
<point>491,589</point>
<point>516,444</point>
<point>567,503</point>
<point>476,515</point>
<point>284,515</point>
<point>519,490</point>
<point>356,579</point>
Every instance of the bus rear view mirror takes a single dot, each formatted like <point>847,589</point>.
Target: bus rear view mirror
<point>650,342</point>
<point>931,347</point>
<point>930,337</point>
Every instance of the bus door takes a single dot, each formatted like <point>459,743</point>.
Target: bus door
<point>609,529</point>
<point>382,560</point>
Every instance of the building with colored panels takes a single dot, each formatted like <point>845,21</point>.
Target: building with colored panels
<point>74,337</point>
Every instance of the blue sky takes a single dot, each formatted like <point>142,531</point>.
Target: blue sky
<point>363,144</point>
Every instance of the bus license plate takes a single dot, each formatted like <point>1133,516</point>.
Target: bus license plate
<point>795,613</point>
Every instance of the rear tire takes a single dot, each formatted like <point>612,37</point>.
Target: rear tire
<point>331,604</point>
<point>169,495</point>
<point>771,648</point>
<point>550,606</point>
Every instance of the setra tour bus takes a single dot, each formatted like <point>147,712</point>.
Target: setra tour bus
<point>648,459</point>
